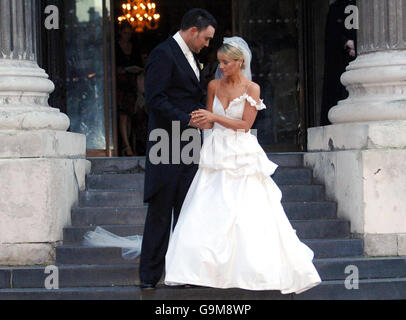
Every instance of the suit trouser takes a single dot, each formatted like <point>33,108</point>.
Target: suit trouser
<point>158,223</point>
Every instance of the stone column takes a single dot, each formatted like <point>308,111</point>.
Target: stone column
<point>376,80</point>
<point>42,166</point>
<point>362,156</point>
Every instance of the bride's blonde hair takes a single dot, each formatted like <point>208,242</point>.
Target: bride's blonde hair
<point>232,53</point>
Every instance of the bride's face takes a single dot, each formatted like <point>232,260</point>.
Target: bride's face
<point>227,65</point>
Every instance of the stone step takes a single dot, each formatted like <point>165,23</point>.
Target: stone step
<point>94,216</point>
<point>305,229</point>
<point>336,248</point>
<point>310,210</point>
<point>373,289</point>
<point>134,198</point>
<point>72,276</point>
<point>289,159</point>
<point>137,164</point>
<point>117,165</point>
<point>117,198</point>
<point>367,267</point>
<point>111,181</point>
<point>74,235</point>
<point>302,193</point>
<point>321,229</point>
<point>128,275</point>
<point>291,176</point>
<point>85,255</point>
<point>282,176</point>
<point>91,293</point>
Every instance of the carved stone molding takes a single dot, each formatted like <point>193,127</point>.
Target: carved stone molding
<point>24,86</point>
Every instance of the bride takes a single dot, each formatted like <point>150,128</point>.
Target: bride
<point>232,231</point>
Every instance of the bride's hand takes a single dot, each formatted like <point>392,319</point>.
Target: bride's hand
<point>202,116</point>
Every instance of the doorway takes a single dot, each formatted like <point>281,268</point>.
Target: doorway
<point>275,30</point>
<point>143,42</point>
<point>89,68</point>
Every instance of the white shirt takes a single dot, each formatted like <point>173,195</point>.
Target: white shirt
<point>188,53</point>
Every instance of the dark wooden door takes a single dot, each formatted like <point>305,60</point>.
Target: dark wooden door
<point>274,31</point>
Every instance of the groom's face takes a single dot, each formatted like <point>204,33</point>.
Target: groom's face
<point>200,39</point>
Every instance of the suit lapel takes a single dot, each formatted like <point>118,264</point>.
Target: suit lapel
<point>200,69</point>
<point>183,62</point>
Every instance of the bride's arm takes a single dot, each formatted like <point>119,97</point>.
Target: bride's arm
<point>248,118</point>
<point>211,88</point>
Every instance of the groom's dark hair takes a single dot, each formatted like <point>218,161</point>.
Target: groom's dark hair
<point>199,18</point>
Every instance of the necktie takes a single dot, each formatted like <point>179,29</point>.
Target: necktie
<point>193,64</point>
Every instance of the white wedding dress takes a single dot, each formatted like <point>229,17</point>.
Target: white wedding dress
<point>232,231</point>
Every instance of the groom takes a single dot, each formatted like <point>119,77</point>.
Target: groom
<point>173,90</point>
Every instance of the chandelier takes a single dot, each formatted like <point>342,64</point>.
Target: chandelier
<point>140,14</point>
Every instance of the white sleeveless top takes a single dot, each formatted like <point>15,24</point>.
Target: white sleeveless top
<point>235,108</point>
<point>236,152</point>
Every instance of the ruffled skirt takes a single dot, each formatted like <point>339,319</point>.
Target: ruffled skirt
<point>232,231</point>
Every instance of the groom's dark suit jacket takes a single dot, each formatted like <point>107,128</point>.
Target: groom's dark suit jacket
<point>172,93</point>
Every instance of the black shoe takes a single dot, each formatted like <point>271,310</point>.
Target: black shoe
<point>147,286</point>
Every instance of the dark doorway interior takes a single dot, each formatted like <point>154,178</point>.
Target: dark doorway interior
<point>275,31</point>
<point>132,122</point>
<point>286,38</point>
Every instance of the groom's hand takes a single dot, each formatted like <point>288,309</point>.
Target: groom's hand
<point>194,124</point>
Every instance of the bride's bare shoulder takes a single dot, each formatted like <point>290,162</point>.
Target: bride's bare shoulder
<point>254,88</point>
<point>213,84</point>
<point>253,84</point>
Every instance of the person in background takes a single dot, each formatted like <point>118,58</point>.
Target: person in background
<point>140,118</point>
<point>127,55</point>
<point>209,71</point>
<point>340,50</point>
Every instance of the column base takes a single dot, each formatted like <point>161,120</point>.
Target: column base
<point>41,173</point>
<point>376,83</point>
<point>27,254</point>
<point>377,245</point>
<point>41,144</point>
<point>358,136</point>
<point>363,166</point>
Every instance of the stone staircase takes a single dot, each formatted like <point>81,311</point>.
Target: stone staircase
<point>114,200</point>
